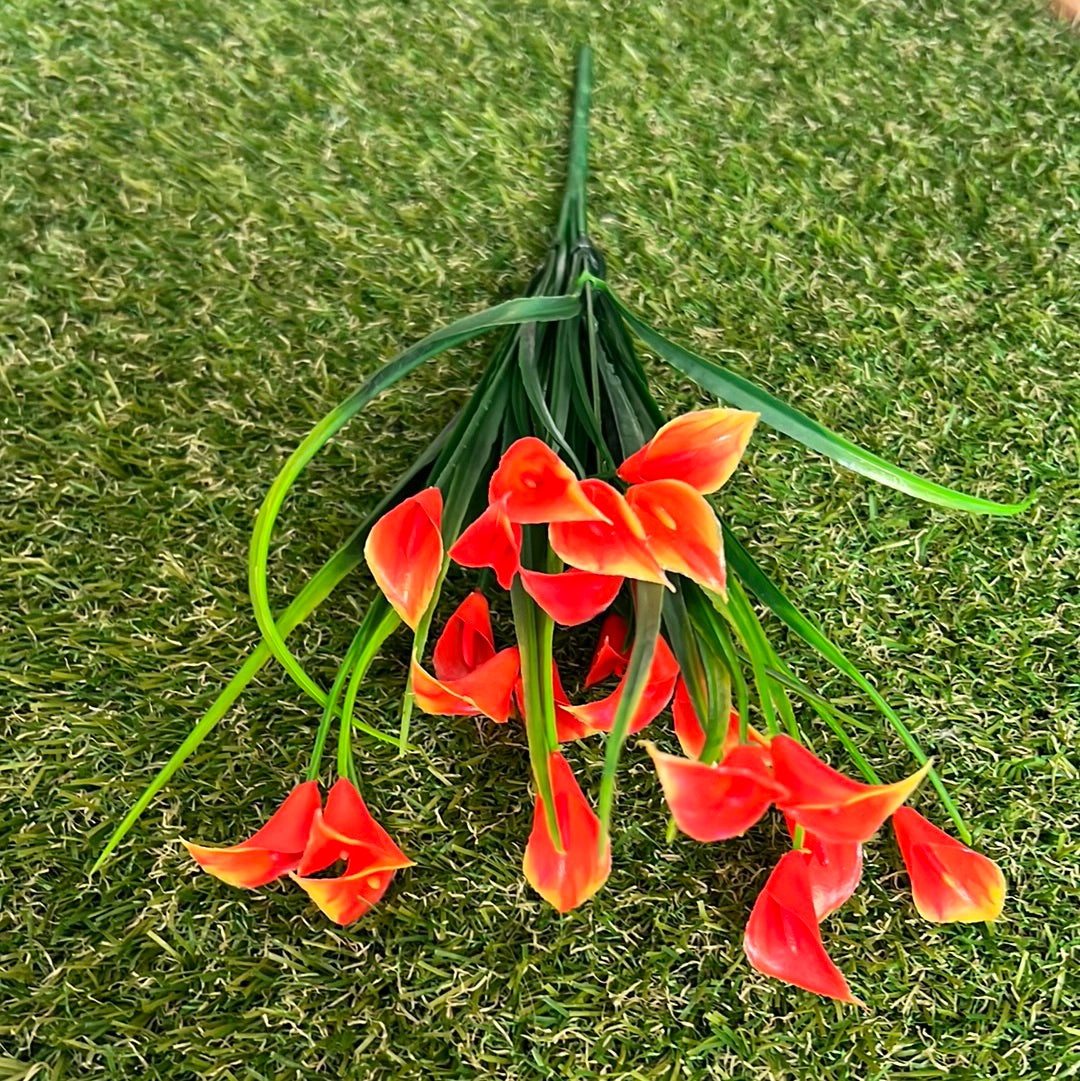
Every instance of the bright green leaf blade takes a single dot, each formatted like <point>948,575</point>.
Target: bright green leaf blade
<point>758,582</point>
<point>520,310</point>
<point>321,585</point>
<point>742,394</point>
<point>539,712</point>
<point>306,601</point>
<point>648,613</point>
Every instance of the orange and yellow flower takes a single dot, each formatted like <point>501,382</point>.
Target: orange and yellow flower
<point>345,830</point>
<point>567,878</point>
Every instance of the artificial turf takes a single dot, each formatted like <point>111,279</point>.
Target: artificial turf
<point>217,218</point>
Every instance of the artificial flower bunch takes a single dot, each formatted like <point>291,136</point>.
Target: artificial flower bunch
<point>561,483</point>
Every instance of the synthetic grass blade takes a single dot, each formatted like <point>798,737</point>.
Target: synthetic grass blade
<point>521,310</point>
<point>743,394</point>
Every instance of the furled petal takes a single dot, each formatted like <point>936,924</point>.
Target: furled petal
<point>612,653</point>
<point>538,487</point>
<point>681,530</point>
<point>701,448</point>
<point>782,936</point>
<point>600,716</point>
<point>713,803</point>
<point>488,689</point>
<point>466,641</point>
<point>567,726</point>
<point>346,831</point>
<point>827,803</point>
<point>616,546</point>
<point>491,541</point>
<point>950,882</point>
<point>272,850</point>
<point>572,597</point>
<point>567,879</point>
<point>404,551</point>
<point>349,896</point>
<point>834,867</point>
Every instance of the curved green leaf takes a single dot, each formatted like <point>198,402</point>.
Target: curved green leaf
<point>742,394</point>
<point>521,310</point>
<point>318,588</point>
<point>648,613</point>
<point>758,582</point>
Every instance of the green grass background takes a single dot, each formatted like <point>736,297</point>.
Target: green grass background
<point>218,217</point>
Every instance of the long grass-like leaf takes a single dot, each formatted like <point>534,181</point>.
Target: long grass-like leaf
<point>305,602</point>
<point>648,612</point>
<point>741,393</point>
<point>758,582</point>
<point>318,588</point>
<point>539,706</point>
<point>521,310</point>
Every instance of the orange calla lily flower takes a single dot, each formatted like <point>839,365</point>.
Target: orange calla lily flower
<point>701,448</point>
<point>663,672</point>
<point>271,852</point>
<point>567,726</point>
<point>681,530</point>
<point>491,541</point>
<point>612,653</point>
<point>616,546</point>
<point>569,878</point>
<point>834,867</point>
<point>572,597</point>
<point>537,486</point>
<point>486,690</point>
<point>404,551</point>
<point>950,883</point>
<point>346,831</point>
<point>782,937</point>
<point>716,802</point>
<point>690,733</point>
<point>827,803</point>
<point>466,641</point>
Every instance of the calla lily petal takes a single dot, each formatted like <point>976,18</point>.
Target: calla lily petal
<point>404,551</point>
<point>487,689</point>
<point>573,597</point>
<point>950,883</point>
<point>567,879</point>
<point>466,641</point>
<point>615,546</point>
<point>782,937</point>
<point>834,867</point>
<point>716,802</point>
<point>681,530</point>
<point>537,486</point>
<point>346,831</point>
<point>270,852</point>
<point>491,541</point>
<point>701,448</point>
<point>664,671</point>
<point>612,653</point>
<point>828,804</point>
